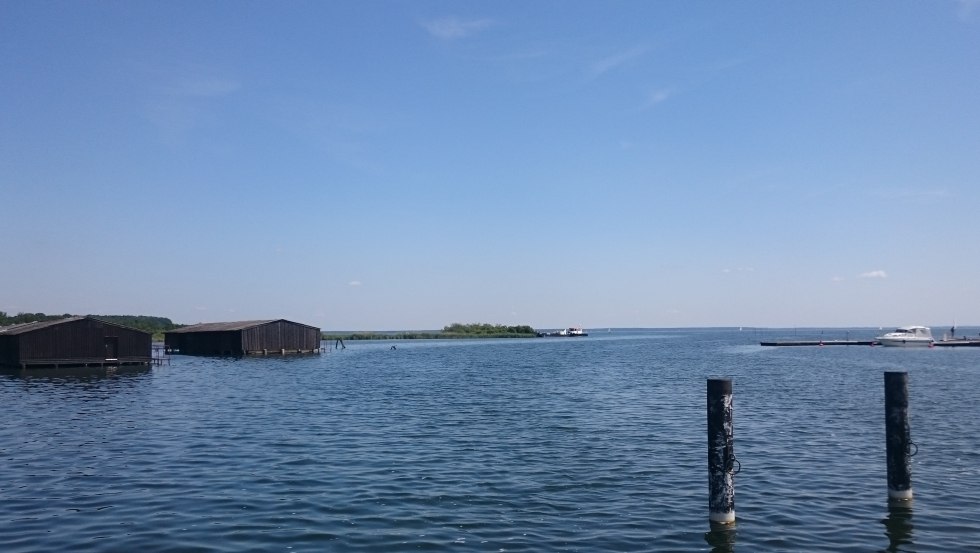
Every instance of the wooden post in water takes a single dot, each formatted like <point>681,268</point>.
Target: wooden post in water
<point>898,442</point>
<point>721,452</point>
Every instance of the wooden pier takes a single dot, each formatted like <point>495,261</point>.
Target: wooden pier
<point>958,343</point>
<point>820,343</point>
<point>160,355</point>
<point>963,343</point>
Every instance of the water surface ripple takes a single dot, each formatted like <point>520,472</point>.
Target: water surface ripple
<point>584,444</point>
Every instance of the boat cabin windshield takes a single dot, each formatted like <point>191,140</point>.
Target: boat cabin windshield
<point>914,331</point>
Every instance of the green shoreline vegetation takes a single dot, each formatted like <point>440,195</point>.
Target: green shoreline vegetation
<point>154,325</point>
<point>455,330</point>
<point>158,325</point>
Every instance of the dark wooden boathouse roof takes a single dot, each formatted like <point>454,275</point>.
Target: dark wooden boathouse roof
<point>73,341</point>
<point>244,338</point>
<point>222,327</point>
<point>21,328</point>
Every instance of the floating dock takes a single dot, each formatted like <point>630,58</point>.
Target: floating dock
<point>965,343</point>
<point>820,343</point>
<point>939,343</point>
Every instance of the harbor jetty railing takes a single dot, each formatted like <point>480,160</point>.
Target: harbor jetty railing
<point>160,355</point>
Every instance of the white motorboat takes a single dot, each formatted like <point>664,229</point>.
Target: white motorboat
<point>907,336</point>
<point>570,331</point>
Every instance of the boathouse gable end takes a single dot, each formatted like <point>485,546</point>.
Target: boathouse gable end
<point>74,341</point>
<point>244,338</point>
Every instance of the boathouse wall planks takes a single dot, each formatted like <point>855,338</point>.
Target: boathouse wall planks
<point>244,338</point>
<point>74,341</point>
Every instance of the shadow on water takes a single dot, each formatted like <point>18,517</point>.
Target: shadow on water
<point>76,374</point>
<point>898,527</point>
<point>721,537</point>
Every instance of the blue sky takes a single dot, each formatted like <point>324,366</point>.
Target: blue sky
<point>406,165</point>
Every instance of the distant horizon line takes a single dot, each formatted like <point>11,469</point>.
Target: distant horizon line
<point>596,328</point>
<point>721,327</point>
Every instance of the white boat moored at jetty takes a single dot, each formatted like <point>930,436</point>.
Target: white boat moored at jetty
<point>570,331</point>
<point>907,336</point>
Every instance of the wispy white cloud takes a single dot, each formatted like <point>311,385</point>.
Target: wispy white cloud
<point>183,102</point>
<point>874,274</point>
<point>837,279</point>
<point>656,96</point>
<point>452,28</point>
<point>172,119</point>
<point>619,59</point>
<point>966,9</point>
<point>354,283</point>
<point>344,132</point>
<point>738,270</point>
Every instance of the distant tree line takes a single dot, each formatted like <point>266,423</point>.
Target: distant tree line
<point>154,325</point>
<point>158,325</point>
<point>455,330</point>
<point>484,329</point>
<point>21,318</point>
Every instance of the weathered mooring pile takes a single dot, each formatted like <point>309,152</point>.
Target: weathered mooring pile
<point>723,465</point>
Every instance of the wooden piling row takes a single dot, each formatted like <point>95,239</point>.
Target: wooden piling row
<point>722,464</point>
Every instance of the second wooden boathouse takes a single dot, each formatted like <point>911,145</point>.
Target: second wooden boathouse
<point>244,338</point>
<point>73,342</point>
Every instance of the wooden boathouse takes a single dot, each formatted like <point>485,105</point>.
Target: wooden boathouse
<point>73,342</point>
<point>276,336</point>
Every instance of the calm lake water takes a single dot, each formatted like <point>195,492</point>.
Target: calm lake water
<point>550,444</point>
